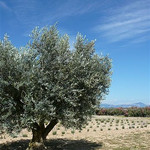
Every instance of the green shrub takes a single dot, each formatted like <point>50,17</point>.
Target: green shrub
<point>24,135</point>
<point>14,136</point>
<point>54,133</point>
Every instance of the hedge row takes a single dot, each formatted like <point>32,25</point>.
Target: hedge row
<point>128,112</point>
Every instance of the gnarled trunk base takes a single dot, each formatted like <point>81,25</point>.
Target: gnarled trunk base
<point>40,133</point>
<point>36,146</point>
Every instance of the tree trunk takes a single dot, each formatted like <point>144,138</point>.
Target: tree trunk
<point>40,133</point>
<point>37,142</point>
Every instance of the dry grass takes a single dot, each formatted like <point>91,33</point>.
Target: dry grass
<point>101,133</point>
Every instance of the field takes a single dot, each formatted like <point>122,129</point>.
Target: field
<point>101,133</point>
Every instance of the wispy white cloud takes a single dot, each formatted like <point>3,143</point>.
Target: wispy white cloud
<point>72,8</point>
<point>4,6</point>
<point>69,9</point>
<point>26,12</point>
<point>127,22</point>
<point>140,39</point>
<point>33,12</point>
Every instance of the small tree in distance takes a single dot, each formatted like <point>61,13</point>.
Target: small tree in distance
<point>46,83</point>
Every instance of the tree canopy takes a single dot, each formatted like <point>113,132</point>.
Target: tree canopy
<point>45,82</point>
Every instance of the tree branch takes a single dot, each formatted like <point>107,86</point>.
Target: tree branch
<point>49,127</point>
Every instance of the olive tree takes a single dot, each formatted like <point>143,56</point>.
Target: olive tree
<point>45,83</point>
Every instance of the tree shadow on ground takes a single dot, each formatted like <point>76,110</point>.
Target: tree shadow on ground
<point>54,144</point>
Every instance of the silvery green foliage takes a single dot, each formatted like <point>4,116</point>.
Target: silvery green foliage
<point>10,76</point>
<point>47,81</point>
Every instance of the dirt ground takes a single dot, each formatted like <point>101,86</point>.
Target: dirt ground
<point>101,133</point>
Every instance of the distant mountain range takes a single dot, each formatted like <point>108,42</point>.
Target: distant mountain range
<point>123,105</point>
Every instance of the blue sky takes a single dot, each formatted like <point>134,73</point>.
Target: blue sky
<point>121,29</point>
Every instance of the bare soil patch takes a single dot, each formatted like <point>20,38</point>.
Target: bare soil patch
<point>101,133</point>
